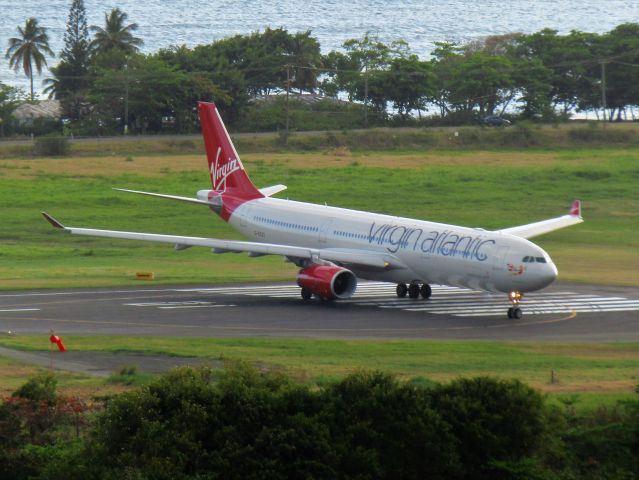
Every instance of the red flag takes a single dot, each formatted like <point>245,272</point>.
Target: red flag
<point>58,341</point>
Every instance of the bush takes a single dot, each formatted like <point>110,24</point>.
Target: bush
<point>325,114</point>
<point>51,146</point>
<point>241,425</point>
<point>381,428</point>
<point>246,424</point>
<point>596,134</point>
<point>38,127</point>
<point>497,422</point>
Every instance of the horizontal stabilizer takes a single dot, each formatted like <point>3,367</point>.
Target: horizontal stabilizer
<point>270,191</point>
<point>212,203</point>
<point>546,226</point>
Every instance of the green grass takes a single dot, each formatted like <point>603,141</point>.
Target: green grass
<point>459,187</point>
<point>13,374</point>
<point>593,370</point>
<point>129,376</point>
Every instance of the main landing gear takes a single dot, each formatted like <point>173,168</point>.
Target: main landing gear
<point>515,312</point>
<point>414,290</point>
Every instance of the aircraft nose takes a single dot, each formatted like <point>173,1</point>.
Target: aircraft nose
<point>549,273</point>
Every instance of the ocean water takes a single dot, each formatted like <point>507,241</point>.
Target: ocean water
<point>420,22</point>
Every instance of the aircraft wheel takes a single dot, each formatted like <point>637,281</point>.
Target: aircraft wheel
<point>413,290</point>
<point>401,290</point>
<point>426,291</point>
<point>306,294</point>
<point>515,313</point>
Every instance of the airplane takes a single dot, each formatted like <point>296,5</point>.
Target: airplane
<point>334,247</point>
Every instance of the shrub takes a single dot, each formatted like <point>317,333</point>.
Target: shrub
<point>596,134</point>
<point>496,422</point>
<point>381,428</point>
<point>51,146</point>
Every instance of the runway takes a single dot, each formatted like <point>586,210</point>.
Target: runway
<point>564,312</point>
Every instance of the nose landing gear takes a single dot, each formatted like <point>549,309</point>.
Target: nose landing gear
<point>515,312</point>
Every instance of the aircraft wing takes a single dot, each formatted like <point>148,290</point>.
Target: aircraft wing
<point>344,256</point>
<point>545,226</point>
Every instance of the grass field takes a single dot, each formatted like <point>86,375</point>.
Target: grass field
<point>13,374</point>
<point>594,373</point>
<point>490,189</point>
<point>487,188</point>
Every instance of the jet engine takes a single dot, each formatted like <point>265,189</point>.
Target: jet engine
<point>327,281</point>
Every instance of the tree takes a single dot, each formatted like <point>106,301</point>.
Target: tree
<point>149,94</point>
<point>567,60</point>
<point>618,50</point>
<point>10,97</point>
<point>474,81</point>
<point>76,39</point>
<point>115,34</point>
<point>306,58</point>
<point>70,76</point>
<point>29,49</point>
<point>362,71</point>
<point>263,59</point>
<point>366,54</point>
<point>410,84</point>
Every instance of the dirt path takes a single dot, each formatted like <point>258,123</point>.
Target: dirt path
<point>101,364</point>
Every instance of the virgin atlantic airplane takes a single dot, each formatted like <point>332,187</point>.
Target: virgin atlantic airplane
<point>333,247</point>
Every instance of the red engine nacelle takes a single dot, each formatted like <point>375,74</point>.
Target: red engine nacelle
<point>327,281</point>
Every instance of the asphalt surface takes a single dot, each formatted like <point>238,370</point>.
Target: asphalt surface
<point>564,312</point>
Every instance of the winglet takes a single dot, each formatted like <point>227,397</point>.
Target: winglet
<point>575,209</point>
<point>53,221</point>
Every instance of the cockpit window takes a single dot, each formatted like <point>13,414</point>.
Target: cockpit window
<point>530,259</point>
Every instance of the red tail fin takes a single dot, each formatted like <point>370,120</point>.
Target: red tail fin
<point>227,172</point>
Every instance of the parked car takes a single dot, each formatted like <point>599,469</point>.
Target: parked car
<point>495,121</point>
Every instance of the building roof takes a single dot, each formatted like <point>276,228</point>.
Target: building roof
<point>27,112</point>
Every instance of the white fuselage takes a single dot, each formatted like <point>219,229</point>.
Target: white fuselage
<point>434,253</point>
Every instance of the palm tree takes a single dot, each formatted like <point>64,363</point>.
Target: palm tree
<point>306,55</point>
<point>115,35</point>
<point>29,49</point>
<point>53,85</point>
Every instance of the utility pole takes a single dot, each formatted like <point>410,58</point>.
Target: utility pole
<point>366,96</point>
<point>126,97</point>
<point>288,88</point>
<point>603,90</point>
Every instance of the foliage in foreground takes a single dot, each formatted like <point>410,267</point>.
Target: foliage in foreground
<point>196,423</point>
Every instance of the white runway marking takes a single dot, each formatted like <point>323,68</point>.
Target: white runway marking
<point>177,305</point>
<point>455,301</point>
<point>445,300</point>
<point>20,310</point>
